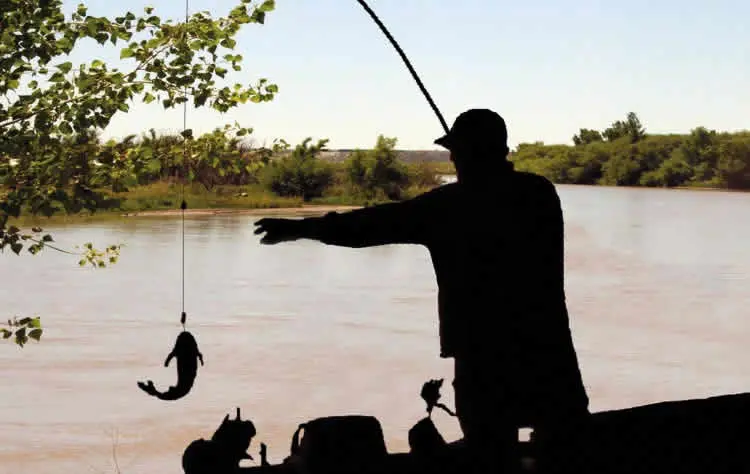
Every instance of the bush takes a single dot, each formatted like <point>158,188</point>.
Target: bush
<point>377,173</point>
<point>629,157</point>
<point>423,175</point>
<point>300,174</point>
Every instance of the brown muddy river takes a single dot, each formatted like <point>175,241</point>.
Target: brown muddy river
<point>658,285</point>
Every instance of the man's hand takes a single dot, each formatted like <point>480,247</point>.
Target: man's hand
<point>278,230</point>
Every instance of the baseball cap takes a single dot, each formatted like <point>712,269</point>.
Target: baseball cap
<point>479,126</point>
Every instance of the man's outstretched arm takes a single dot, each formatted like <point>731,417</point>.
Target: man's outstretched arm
<point>395,223</point>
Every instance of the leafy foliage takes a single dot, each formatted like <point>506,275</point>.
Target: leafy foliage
<point>52,110</point>
<point>50,131</point>
<point>300,173</point>
<point>623,155</point>
<point>21,330</point>
<point>377,172</point>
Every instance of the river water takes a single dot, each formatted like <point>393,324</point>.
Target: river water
<point>658,286</point>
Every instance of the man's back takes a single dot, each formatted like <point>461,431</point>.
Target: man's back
<point>497,249</point>
<point>498,255</point>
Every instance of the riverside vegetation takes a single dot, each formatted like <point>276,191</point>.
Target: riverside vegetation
<point>224,169</point>
<point>625,155</point>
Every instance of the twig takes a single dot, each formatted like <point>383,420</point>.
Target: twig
<point>53,247</point>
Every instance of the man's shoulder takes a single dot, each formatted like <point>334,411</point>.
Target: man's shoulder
<point>444,191</point>
<point>530,178</point>
<point>534,181</point>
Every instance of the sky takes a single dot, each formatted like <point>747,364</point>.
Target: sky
<point>549,67</point>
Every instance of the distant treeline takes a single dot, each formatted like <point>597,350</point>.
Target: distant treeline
<point>84,168</point>
<point>405,156</point>
<point>85,172</point>
<point>625,155</point>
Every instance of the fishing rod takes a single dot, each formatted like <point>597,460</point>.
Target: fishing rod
<point>406,61</point>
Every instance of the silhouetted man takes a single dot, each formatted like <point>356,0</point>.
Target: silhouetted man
<point>496,241</point>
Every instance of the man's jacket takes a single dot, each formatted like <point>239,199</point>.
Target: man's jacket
<point>497,248</point>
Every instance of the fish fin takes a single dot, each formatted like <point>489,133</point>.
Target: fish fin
<point>169,359</point>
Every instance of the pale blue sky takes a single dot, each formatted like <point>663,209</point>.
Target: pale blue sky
<point>548,66</point>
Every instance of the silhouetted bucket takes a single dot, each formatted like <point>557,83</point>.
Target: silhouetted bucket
<point>338,445</point>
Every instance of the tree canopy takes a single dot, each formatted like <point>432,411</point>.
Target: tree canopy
<point>50,107</point>
<point>625,155</point>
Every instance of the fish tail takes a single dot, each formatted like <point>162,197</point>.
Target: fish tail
<point>176,392</point>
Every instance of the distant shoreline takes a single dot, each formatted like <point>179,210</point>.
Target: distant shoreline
<point>304,210</point>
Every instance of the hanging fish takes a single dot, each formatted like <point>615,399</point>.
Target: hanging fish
<point>187,354</point>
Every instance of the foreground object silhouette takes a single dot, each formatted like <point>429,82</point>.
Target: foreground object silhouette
<point>430,393</point>
<point>700,436</point>
<point>224,451</point>
<point>187,354</point>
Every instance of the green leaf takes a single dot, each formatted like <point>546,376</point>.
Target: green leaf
<point>65,67</point>
<point>148,98</point>
<point>126,53</point>
<point>6,334</point>
<point>154,165</point>
<point>47,238</point>
<point>35,323</point>
<point>228,43</point>
<point>65,44</point>
<point>57,77</point>
<point>65,128</point>
<point>82,262</point>
<point>16,248</point>
<point>267,6</point>
<point>35,334</point>
<point>21,337</point>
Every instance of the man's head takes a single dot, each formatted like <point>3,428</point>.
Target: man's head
<point>477,139</point>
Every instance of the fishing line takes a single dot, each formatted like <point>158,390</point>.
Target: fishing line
<point>185,349</point>
<point>406,61</point>
<point>183,204</point>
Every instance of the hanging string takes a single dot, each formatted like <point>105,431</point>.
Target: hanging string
<point>183,204</point>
